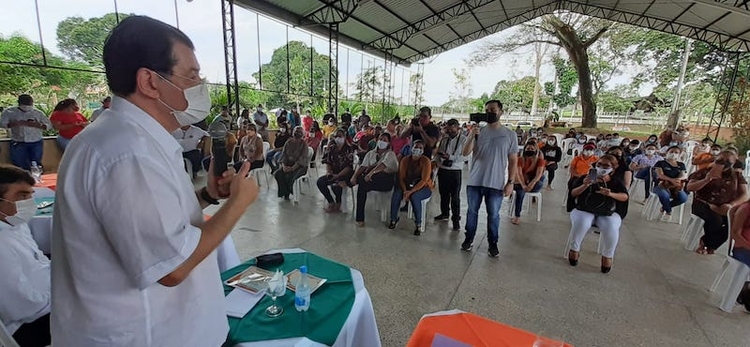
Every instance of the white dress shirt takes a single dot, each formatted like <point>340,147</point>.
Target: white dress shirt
<point>126,216</point>
<point>24,133</point>
<point>25,274</point>
<point>189,138</point>
<point>454,147</point>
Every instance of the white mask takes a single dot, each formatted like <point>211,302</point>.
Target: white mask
<point>25,210</point>
<point>259,109</point>
<point>339,140</point>
<point>633,148</point>
<point>603,172</point>
<point>715,152</point>
<point>198,104</point>
<point>672,156</point>
<point>382,144</point>
<point>588,153</point>
<point>26,108</point>
<point>650,152</point>
<point>282,130</point>
<point>417,152</point>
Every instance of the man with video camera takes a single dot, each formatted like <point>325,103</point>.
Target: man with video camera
<point>450,159</point>
<point>494,150</point>
<point>422,128</point>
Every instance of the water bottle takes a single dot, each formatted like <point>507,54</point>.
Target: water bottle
<point>36,171</point>
<point>302,291</point>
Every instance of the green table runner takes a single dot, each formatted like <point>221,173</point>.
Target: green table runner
<point>329,306</point>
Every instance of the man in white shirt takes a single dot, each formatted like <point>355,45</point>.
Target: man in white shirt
<point>105,105</point>
<point>261,121</point>
<point>27,126</point>
<point>194,142</point>
<point>24,269</point>
<point>134,264</point>
<point>450,159</point>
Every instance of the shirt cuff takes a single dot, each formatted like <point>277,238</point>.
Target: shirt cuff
<point>165,267</point>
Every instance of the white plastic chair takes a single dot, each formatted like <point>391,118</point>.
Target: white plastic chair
<point>565,145</point>
<point>747,165</point>
<point>349,191</point>
<point>740,275</point>
<point>383,202</point>
<point>410,213</point>
<point>297,186</point>
<point>570,238</point>
<point>262,170</point>
<point>652,209</point>
<point>526,204</point>
<point>691,235</point>
<point>6,339</point>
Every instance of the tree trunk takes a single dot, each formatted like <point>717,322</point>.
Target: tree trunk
<point>537,72</point>
<point>673,119</point>
<point>576,49</point>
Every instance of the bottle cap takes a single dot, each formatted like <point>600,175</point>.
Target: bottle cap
<point>303,269</point>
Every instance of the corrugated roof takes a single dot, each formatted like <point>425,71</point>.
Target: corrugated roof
<point>412,30</point>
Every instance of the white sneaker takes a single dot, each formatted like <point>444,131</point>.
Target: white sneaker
<point>666,217</point>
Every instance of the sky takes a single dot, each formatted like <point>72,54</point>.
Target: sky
<point>201,20</point>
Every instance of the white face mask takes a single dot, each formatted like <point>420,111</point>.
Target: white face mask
<point>715,152</point>
<point>672,156</point>
<point>603,172</point>
<point>382,144</point>
<point>25,210</point>
<point>551,142</point>
<point>330,124</point>
<point>588,153</point>
<point>339,140</point>
<point>282,130</point>
<point>417,152</point>
<point>26,108</point>
<point>650,152</point>
<point>259,109</point>
<point>198,104</point>
<point>633,148</point>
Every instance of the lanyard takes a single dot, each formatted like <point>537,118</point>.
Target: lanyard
<point>455,149</point>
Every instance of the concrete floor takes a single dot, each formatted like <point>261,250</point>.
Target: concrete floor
<point>656,295</point>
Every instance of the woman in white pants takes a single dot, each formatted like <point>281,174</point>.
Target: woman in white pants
<point>601,199</point>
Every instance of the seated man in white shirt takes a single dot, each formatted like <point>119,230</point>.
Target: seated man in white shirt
<point>193,141</point>
<point>24,269</point>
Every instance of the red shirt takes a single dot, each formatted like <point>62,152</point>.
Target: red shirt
<point>68,118</point>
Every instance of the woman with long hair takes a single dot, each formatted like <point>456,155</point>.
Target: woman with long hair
<point>67,121</point>
<point>414,184</point>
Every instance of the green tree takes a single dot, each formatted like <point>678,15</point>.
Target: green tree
<point>460,97</point>
<point>518,95</point>
<point>416,85</point>
<point>83,39</point>
<point>273,76</point>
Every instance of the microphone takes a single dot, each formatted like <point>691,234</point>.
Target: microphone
<point>218,132</point>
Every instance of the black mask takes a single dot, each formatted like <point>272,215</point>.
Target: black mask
<point>529,153</point>
<point>492,117</point>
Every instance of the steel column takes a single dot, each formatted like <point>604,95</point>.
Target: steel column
<point>230,56</point>
<point>333,67</point>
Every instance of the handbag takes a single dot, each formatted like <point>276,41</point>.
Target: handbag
<point>596,203</point>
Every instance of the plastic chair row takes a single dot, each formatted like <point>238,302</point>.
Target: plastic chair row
<point>527,204</point>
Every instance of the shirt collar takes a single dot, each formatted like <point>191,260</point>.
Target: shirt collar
<point>140,118</point>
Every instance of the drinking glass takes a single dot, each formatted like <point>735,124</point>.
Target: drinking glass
<point>276,288</point>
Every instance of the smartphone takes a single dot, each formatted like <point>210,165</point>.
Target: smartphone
<point>478,117</point>
<point>592,174</point>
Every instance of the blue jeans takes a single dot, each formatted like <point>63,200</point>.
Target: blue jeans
<point>62,142</point>
<point>520,193</point>
<point>272,159</point>
<point>493,199</point>
<point>645,175</point>
<point>667,200</point>
<point>742,254</point>
<point>23,153</point>
<point>416,202</point>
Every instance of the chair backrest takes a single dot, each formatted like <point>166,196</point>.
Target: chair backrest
<point>310,152</point>
<point>559,138</point>
<point>566,144</point>
<point>691,143</point>
<point>729,231</point>
<point>266,148</point>
<point>577,151</point>
<point>6,339</point>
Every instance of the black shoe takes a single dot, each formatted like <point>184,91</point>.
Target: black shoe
<point>404,209</point>
<point>393,224</point>
<point>442,217</point>
<point>418,231</point>
<point>456,225</point>
<point>745,298</point>
<point>467,245</point>
<point>492,250</point>
<point>606,269</point>
<point>573,262</point>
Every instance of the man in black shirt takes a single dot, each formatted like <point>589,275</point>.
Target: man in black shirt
<point>422,128</point>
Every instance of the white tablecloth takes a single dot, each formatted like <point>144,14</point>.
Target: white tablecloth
<point>359,330</point>
<point>41,231</point>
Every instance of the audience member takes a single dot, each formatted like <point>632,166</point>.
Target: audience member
<point>278,144</point>
<point>581,163</point>
<point>307,121</point>
<point>339,170</point>
<point>552,156</point>
<point>422,128</point>
<point>621,170</point>
<point>494,151</point>
<point>313,139</point>
<point>671,175</point>
<point>261,121</point>
<point>740,233</point>
<point>196,144</point>
<point>251,148</point>
<point>414,184</point>
<point>105,105</point>
<point>376,173</point>
<point>717,188</point>
<point>529,177</point>
<point>600,200</point>
<point>642,164</point>
<point>25,270</point>
<point>294,161</point>
<point>705,159</point>
<point>27,126</point>
<point>450,159</point>
<point>67,121</point>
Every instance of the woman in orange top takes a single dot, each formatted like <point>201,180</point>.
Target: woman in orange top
<point>705,159</point>
<point>529,177</point>
<point>582,163</point>
<point>67,121</point>
<point>414,184</point>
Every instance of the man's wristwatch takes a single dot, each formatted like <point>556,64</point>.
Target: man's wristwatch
<point>207,197</point>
